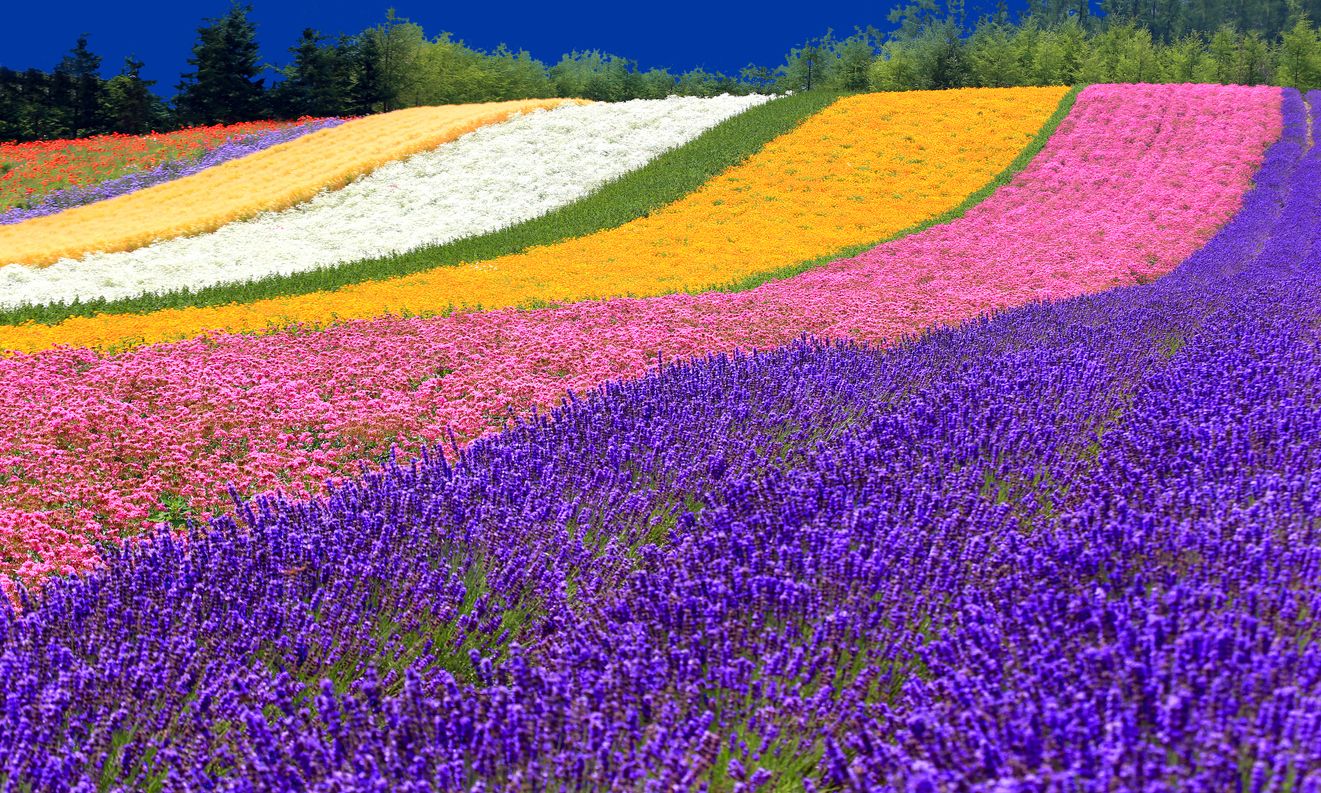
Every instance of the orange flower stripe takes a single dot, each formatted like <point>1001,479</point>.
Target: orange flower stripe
<point>864,168</point>
<point>269,180</point>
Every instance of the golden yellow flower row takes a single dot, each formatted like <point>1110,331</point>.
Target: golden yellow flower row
<point>862,169</point>
<point>268,180</point>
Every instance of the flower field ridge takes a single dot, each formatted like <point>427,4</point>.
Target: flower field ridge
<point>862,169</point>
<point>272,179</point>
<point>81,195</point>
<point>1070,547</point>
<point>489,179</point>
<point>661,181</point>
<point>31,171</point>
<point>95,447</point>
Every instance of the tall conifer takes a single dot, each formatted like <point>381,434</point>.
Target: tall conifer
<point>223,87</point>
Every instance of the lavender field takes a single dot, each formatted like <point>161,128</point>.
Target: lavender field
<point>1068,546</point>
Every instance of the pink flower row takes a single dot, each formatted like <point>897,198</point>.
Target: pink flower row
<point>92,447</point>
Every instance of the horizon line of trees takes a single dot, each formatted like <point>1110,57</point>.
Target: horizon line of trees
<point>932,44</point>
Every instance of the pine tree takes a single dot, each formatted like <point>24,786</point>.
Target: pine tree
<point>949,65</point>
<point>11,127</point>
<point>130,105</point>
<point>314,84</point>
<point>808,66</point>
<point>82,67</point>
<point>1300,54</point>
<point>224,87</point>
<point>399,43</point>
<point>367,92</point>
<point>1224,54</point>
<point>993,58</point>
<point>1254,60</point>
<point>58,115</point>
<point>854,56</point>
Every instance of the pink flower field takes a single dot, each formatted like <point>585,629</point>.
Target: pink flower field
<point>93,448</point>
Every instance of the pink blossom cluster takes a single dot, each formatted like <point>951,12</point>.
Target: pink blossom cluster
<point>94,447</point>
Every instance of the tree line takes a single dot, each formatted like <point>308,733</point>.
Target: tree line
<point>1059,42</point>
<point>929,44</point>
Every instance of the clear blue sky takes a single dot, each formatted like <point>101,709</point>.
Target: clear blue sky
<point>720,35</point>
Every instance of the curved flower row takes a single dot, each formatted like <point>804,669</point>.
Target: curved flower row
<point>30,171</point>
<point>1072,548</point>
<point>489,179</point>
<point>94,446</point>
<point>168,171</point>
<point>272,179</point>
<point>857,172</point>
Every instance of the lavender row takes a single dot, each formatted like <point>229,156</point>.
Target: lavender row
<point>168,171</point>
<point>1073,547</point>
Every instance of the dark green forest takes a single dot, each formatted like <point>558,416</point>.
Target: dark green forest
<point>923,44</point>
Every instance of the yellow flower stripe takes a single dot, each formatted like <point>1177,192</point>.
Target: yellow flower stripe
<point>268,180</point>
<point>862,169</point>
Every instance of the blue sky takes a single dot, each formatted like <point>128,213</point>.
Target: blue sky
<point>678,34</point>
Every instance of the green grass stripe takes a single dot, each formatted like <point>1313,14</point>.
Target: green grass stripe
<point>1014,168</point>
<point>664,180</point>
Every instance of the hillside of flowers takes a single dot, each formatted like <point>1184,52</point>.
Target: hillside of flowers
<point>499,176</point>
<point>29,172</point>
<point>101,187</point>
<point>942,441</point>
<point>270,179</point>
<point>800,197</point>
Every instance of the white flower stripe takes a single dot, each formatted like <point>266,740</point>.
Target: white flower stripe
<point>490,179</point>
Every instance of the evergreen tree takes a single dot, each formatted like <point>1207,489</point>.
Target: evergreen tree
<point>59,113</point>
<point>130,105</point>
<point>593,74</point>
<point>808,66</point>
<point>1300,55</point>
<point>1184,61</point>
<point>949,67</point>
<point>86,97</point>
<point>314,84</point>
<point>224,87</point>
<point>517,75</point>
<point>399,43</point>
<point>1048,61</point>
<point>1057,42</point>
<point>33,105</point>
<point>699,82</point>
<point>11,127</point>
<point>853,57</point>
<point>1132,54</point>
<point>759,78</point>
<point>1254,60</point>
<point>447,72</point>
<point>994,56</point>
<point>367,91</point>
<point>1223,52</point>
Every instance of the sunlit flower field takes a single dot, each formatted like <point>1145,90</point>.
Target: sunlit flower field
<point>959,440</point>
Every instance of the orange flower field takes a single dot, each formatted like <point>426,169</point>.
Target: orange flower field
<point>863,169</point>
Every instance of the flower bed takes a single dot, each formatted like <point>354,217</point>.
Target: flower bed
<point>31,171</point>
<point>95,447</point>
<point>490,179</point>
<point>857,172</point>
<point>1070,548</point>
<point>268,180</point>
<point>232,149</point>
